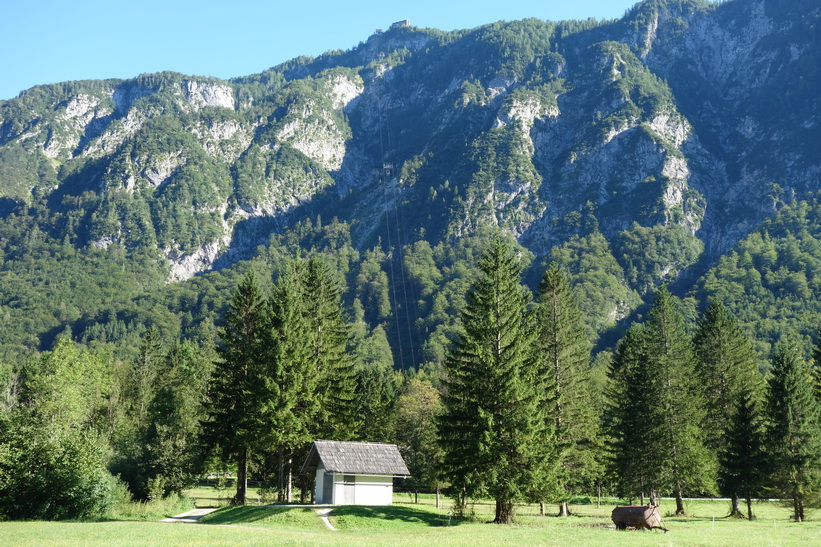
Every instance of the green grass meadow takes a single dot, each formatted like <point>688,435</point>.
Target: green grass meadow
<point>406,523</point>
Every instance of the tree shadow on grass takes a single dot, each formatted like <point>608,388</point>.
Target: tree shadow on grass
<point>389,513</point>
<point>249,513</point>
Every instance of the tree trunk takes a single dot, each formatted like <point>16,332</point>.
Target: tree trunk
<point>461,503</point>
<point>679,502</point>
<point>541,508</point>
<point>437,496</point>
<point>504,512</point>
<point>289,479</point>
<point>416,496</point>
<point>749,506</point>
<point>598,495</point>
<point>735,511</point>
<point>281,478</point>
<point>242,478</point>
<point>798,506</point>
<point>564,510</point>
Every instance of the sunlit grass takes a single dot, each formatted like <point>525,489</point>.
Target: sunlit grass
<point>423,524</point>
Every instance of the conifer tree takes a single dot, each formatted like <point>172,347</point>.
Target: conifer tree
<point>656,408</point>
<point>727,371</point>
<point>491,429</point>
<point>376,395</point>
<point>292,374</point>
<point>328,338</point>
<point>743,458</point>
<point>816,369</point>
<point>629,431</point>
<point>311,379</point>
<point>236,422</point>
<point>794,437</point>
<point>674,404</point>
<point>563,361</point>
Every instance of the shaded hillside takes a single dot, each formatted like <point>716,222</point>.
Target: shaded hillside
<point>628,150</point>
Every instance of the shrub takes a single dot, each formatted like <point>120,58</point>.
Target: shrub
<point>52,475</point>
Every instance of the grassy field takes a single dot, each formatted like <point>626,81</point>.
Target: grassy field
<point>406,523</point>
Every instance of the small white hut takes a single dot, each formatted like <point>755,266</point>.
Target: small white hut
<point>354,473</point>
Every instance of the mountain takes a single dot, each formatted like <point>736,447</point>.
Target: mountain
<point>652,144</point>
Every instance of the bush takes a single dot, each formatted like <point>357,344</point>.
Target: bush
<point>52,475</point>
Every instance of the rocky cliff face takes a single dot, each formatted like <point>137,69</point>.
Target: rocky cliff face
<point>684,117</point>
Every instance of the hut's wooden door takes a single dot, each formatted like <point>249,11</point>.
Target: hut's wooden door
<point>349,490</point>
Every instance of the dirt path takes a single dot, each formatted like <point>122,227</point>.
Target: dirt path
<point>323,514</point>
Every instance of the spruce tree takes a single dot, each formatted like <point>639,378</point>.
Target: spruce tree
<point>376,394</point>
<point>626,421</point>
<point>311,377</point>
<point>563,361</point>
<point>794,437</point>
<point>675,404</point>
<point>491,427</point>
<point>328,336</point>
<point>292,375</point>
<point>236,422</point>
<point>727,371</point>
<point>656,407</point>
<point>816,369</point>
<point>743,458</point>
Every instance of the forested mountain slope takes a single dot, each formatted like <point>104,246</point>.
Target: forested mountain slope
<point>633,152</point>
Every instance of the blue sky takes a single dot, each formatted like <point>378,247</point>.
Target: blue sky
<point>48,41</point>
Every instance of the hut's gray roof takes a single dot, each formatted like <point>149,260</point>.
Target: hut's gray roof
<point>356,457</point>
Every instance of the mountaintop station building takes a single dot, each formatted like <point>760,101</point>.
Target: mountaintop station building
<point>354,473</point>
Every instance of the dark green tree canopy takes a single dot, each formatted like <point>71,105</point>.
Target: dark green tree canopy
<point>494,438</point>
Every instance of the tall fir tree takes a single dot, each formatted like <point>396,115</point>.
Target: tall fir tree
<point>328,339</point>
<point>292,373</point>
<point>491,430</point>
<point>628,429</point>
<point>376,393</point>
<point>743,458</point>
<point>237,419</point>
<point>311,374</point>
<point>794,436</point>
<point>816,368</point>
<point>563,361</point>
<point>675,404</point>
<point>663,394</point>
<point>727,370</point>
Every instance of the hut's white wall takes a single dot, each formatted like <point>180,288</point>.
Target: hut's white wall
<point>362,490</point>
<point>374,490</point>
